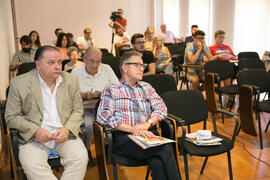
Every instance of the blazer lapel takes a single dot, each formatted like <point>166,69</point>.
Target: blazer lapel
<point>60,97</point>
<point>36,90</point>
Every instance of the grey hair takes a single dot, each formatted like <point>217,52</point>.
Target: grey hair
<point>91,49</point>
<point>126,57</point>
<point>71,49</point>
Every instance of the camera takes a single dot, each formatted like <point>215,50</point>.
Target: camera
<point>115,16</point>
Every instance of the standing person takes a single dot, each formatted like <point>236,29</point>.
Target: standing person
<point>133,107</point>
<point>224,52</point>
<point>73,55</point>
<point>34,36</point>
<point>162,54</point>
<point>148,37</point>
<point>137,41</point>
<point>85,41</point>
<point>23,56</point>
<point>166,36</point>
<point>93,78</point>
<point>189,39</point>
<point>45,106</point>
<point>62,45</point>
<point>119,22</point>
<point>195,54</point>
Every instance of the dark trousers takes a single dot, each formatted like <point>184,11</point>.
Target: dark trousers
<point>160,158</point>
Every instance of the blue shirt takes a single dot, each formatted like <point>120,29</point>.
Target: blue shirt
<point>191,49</point>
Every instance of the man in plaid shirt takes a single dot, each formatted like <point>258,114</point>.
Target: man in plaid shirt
<point>133,107</point>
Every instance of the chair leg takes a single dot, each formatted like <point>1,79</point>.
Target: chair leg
<point>115,172</point>
<point>232,103</point>
<point>204,164</point>
<point>221,107</point>
<point>186,166</point>
<point>147,173</point>
<point>267,126</point>
<point>230,165</point>
<point>239,129</point>
<point>24,177</point>
<point>260,130</point>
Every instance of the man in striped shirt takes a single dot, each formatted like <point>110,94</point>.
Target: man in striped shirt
<point>133,107</point>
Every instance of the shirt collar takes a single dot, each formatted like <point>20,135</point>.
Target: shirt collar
<point>43,83</point>
<point>85,73</point>
<point>123,82</point>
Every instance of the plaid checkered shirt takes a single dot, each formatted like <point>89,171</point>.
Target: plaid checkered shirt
<point>121,103</point>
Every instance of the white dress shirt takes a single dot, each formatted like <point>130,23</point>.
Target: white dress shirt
<point>102,78</point>
<point>51,119</point>
<point>84,42</point>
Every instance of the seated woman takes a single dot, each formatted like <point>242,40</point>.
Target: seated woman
<point>73,55</point>
<point>62,45</point>
<point>34,36</point>
<point>162,54</point>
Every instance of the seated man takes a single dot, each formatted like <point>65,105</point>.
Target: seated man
<point>137,42</point>
<point>85,41</point>
<point>23,56</point>
<point>225,53</point>
<point>189,39</point>
<point>133,107</point>
<point>93,77</point>
<point>166,36</point>
<point>45,106</point>
<point>121,41</point>
<point>195,54</point>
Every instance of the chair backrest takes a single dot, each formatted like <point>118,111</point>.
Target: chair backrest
<point>210,92</point>
<point>100,151</point>
<point>248,54</point>
<point>168,44</point>
<point>246,110</point>
<point>64,63</point>
<point>161,82</point>
<point>189,105</point>
<point>255,77</point>
<point>223,68</point>
<point>26,67</point>
<point>177,49</point>
<point>114,63</point>
<point>250,63</point>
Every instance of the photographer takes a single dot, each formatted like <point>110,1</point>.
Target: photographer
<point>117,20</point>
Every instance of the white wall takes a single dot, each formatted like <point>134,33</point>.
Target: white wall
<point>73,16</point>
<point>7,44</point>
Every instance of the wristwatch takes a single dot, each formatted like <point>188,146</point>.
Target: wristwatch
<point>151,122</point>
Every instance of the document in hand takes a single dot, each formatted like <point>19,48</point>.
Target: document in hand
<point>213,141</point>
<point>149,142</point>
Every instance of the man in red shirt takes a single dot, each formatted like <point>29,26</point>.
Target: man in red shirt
<point>119,22</point>
<point>225,51</point>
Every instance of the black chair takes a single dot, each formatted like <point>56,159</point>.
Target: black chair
<point>64,63</point>
<point>223,70</point>
<point>248,54</point>
<point>260,81</point>
<point>114,63</point>
<point>161,82</point>
<point>191,107</point>
<point>250,63</point>
<point>26,67</point>
<point>168,44</point>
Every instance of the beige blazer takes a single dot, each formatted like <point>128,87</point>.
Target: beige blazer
<point>24,108</point>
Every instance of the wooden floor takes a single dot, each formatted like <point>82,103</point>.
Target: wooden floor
<point>244,163</point>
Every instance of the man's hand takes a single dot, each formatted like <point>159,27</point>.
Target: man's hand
<point>43,135</point>
<point>61,135</point>
<point>198,44</point>
<point>137,129</point>
<point>89,95</point>
<point>146,134</point>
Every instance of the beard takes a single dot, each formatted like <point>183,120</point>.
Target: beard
<point>26,50</point>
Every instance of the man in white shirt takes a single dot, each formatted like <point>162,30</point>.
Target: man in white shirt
<point>85,41</point>
<point>166,36</point>
<point>93,78</point>
<point>45,106</point>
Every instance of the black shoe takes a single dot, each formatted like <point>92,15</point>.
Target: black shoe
<point>229,104</point>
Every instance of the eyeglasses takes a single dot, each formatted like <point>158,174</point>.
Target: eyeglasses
<point>139,42</point>
<point>200,38</point>
<point>138,65</point>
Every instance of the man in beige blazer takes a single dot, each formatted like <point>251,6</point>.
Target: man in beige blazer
<point>45,106</point>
